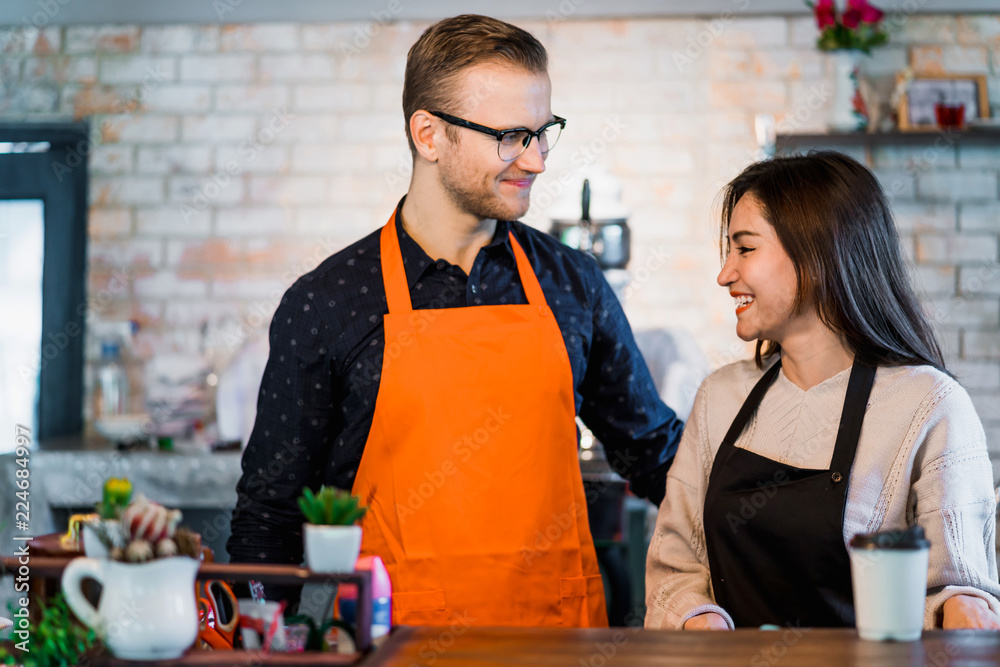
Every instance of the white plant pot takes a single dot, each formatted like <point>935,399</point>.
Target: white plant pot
<point>92,545</point>
<point>331,548</point>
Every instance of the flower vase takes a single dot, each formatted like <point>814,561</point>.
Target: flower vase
<point>848,112</point>
<point>146,611</point>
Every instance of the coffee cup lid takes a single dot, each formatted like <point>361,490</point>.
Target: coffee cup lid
<point>898,540</point>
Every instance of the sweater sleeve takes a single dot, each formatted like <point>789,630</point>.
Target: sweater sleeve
<point>953,499</point>
<point>678,583</point>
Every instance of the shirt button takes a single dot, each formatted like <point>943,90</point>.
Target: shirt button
<point>473,288</point>
<point>441,264</point>
<point>836,477</point>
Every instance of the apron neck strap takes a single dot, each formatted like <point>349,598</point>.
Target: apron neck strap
<point>750,404</point>
<point>859,389</point>
<point>397,288</point>
<point>529,281</point>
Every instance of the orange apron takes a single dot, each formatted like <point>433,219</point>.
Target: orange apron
<point>470,471</point>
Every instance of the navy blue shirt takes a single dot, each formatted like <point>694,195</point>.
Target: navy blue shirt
<point>317,395</point>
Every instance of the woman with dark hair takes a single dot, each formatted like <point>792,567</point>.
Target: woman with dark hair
<point>846,422</point>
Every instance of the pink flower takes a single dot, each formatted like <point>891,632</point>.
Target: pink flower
<point>825,14</point>
<point>865,12</point>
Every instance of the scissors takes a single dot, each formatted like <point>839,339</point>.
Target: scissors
<point>218,615</point>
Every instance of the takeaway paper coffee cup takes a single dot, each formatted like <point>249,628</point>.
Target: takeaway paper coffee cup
<point>889,576</point>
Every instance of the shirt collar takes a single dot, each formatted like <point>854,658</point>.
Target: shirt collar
<point>416,260</point>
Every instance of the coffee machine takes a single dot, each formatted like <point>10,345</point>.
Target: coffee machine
<point>591,217</point>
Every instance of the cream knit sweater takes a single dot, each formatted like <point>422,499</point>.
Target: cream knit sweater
<point>921,458</point>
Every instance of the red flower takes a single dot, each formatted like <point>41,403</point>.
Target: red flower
<point>825,14</point>
<point>851,18</point>
<point>865,12</point>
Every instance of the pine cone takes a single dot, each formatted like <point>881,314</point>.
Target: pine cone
<point>145,520</point>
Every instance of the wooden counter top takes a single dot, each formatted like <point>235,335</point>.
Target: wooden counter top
<point>619,647</point>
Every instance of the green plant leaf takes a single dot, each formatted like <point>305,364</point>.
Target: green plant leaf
<point>56,638</point>
<point>330,506</point>
<point>355,515</point>
<point>328,497</point>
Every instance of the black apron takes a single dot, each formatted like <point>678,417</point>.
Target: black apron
<point>774,532</point>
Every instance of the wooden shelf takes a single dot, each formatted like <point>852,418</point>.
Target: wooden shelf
<point>976,135</point>
<point>229,658</point>
<point>52,567</point>
<point>200,658</point>
<point>47,571</point>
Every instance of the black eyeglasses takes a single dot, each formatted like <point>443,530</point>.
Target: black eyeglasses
<point>511,143</point>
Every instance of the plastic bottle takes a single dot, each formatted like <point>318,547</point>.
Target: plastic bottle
<point>381,597</point>
<point>111,383</point>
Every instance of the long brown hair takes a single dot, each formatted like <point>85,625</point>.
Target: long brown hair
<point>832,218</point>
<point>452,45</point>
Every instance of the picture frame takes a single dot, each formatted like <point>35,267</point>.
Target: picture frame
<point>923,91</point>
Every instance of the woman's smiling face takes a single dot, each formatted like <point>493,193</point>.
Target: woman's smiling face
<point>760,276</point>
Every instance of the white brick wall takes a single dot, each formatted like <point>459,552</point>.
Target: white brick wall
<point>173,158</point>
<point>956,249</point>
<point>231,158</point>
<point>179,39</point>
<point>170,222</point>
<point>221,68</point>
<point>965,184</point>
<point>137,69</point>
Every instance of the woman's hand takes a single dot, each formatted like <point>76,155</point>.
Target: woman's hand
<point>968,611</point>
<point>706,621</point>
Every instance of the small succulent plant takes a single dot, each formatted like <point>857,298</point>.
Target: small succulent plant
<point>330,507</point>
<point>115,497</point>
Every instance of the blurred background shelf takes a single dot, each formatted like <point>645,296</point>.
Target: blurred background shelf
<point>787,142</point>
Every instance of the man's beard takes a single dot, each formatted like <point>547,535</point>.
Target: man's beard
<point>478,198</point>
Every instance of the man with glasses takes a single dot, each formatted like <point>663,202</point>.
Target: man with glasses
<point>436,368</point>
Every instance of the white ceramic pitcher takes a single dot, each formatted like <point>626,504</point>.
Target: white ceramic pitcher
<point>147,611</point>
